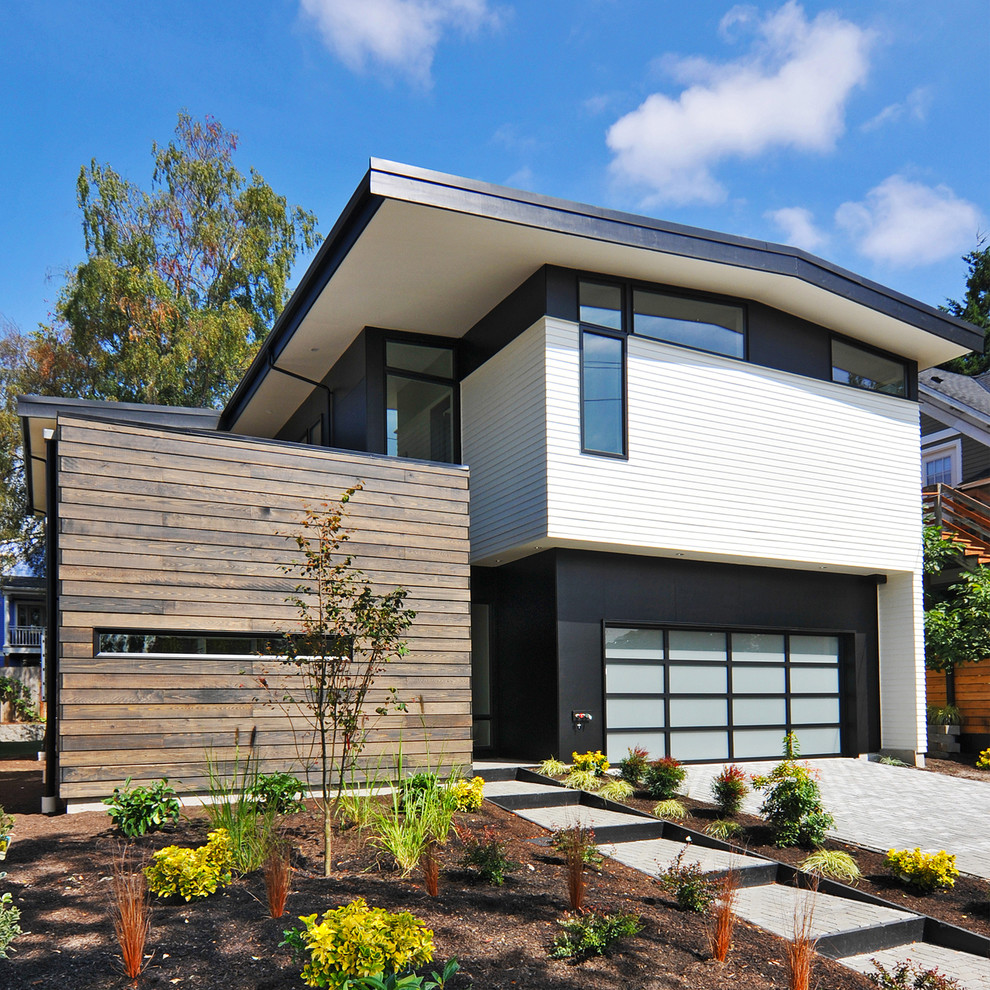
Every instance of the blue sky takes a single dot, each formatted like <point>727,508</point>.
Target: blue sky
<point>857,129</point>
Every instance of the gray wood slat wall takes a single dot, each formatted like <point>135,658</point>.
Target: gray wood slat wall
<point>170,531</point>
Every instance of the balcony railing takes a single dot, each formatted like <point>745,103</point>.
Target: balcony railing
<point>24,637</point>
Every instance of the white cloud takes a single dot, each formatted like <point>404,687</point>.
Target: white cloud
<point>788,91</point>
<point>398,34</point>
<point>916,107</point>
<point>798,226</point>
<point>907,224</point>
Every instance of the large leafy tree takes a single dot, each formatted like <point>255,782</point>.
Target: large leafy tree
<point>974,307</point>
<point>180,285</point>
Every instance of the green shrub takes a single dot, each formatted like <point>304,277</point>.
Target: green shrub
<point>616,789</point>
<point>662,777</point>
<point>136,810</point>
<point>943,715</point>
<point>671,809</point>
<point>6,822</point>
<point>723,828</point>
<point>357,941</point>
<point>632,768</point>
<point>593,934</point>
<point>551,767</point>
<point>420,816</point>
<point>10,928</point>
<point>906,976</point>
<point>831,863</point>
<point>729,788</point>
<point>596,762</point>
<point>925,871</point>
<point>983,760</point>
<point>281,793</point>
<point>486,853</point>
<point>191,873</point>
<point>793,806</point>
<point>582,780</point>
<point>469,794</point>
<point>692,887</point>
<point>409,981</point>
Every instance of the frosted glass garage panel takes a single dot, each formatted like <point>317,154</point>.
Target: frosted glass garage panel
<point>633,713</point>
<point>759,711</point>
<point>694,646</point>
<point>633,678</point>
<point>757,648</point>
<point>698,680</point>
<point>819,741</point>
<point>634,644</point>
<point>814,649</point>
<point>699,745</point>
<point>618,744</point>
<point>815,680</point>
<point>758,680</point>
<point>698,711</point>
<point>753,743</point>
<point>805,710</point>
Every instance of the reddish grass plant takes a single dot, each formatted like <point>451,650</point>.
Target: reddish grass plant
<point>130,909</point>
<point>430,864</point>
<point>724,917</point>
<point>801,948</point>
<point>577,845</point>
<point>278,877</point>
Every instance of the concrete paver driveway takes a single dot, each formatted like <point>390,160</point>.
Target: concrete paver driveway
<point>883,807</point>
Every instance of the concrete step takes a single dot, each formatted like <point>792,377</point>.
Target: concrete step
<point>514,795</point>
<point>654,856</point>
<point>971,971</point>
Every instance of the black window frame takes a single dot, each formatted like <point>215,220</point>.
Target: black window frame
<point>620,336</point>
<point>858,345</point>
<point>424,340</point>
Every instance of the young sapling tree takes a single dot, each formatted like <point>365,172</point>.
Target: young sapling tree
<point>346,634</point>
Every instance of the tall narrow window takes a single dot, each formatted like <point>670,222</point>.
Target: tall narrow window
<point>603,394</point>
<point>420,402</point>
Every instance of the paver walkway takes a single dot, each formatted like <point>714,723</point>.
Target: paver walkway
<point>883,807</point>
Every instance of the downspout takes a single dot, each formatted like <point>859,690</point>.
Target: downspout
<point>329,437</point>
<point>49,800</point>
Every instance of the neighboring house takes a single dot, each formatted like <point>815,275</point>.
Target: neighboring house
<point>955,459</point>
<point>24,620</point>
<point>694,519</point>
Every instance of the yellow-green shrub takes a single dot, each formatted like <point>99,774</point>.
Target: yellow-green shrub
<point>191,873</point>
<point>469,793</point>
<point>983,760</point>
<point>595,762</point>
<point>355,940</point>
<point>927,871</point>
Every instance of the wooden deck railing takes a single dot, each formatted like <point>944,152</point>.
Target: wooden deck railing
<point>953,510</point>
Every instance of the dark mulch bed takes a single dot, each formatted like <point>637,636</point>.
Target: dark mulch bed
<point>962,765</point>
<point>58,868</point>
<point>967,904</point>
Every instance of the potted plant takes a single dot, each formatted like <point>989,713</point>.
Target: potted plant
<point>944,726</point>
<point>6,827</point>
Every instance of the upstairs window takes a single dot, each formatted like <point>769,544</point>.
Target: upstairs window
<point>419,401</point>
<point>860,368</point>
<point>600,304</point>
<point>603,392</point>
<point>708,326</point>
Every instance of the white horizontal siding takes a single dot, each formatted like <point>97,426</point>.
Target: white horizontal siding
<point>503,440</point>
<point>736,460</point>
<point>902,663</point>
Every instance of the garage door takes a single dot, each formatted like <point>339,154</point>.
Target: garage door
<point>701,694</point>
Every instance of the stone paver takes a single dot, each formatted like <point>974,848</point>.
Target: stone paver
<point>883,807</point>
<point>567,816</point>
<point>779,909</point>
<point>970,971</point>
<point>503,788</point>
<point>652,856</point>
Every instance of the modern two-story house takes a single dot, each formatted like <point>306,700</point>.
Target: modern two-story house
<point>692,465</point>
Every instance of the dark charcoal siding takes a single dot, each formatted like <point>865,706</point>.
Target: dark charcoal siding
<point>168,531</point>
<point>586,589</point>
<point>975,459</point>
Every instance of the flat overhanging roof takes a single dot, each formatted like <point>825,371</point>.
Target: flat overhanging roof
<point>39,417</point>
<point>432,253</point>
